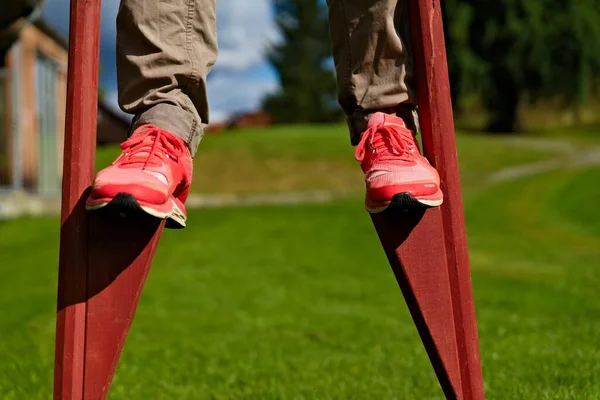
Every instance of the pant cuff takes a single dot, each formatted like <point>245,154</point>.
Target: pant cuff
<point>358,121</point>
<point>175,120</point>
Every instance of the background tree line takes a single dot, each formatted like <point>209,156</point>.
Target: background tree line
<point>503,53</point>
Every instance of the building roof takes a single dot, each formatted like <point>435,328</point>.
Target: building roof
<point>51,33</point>
<point>119,117</point>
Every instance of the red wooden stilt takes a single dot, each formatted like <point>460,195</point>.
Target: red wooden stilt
<point>429,252</point>
<point>414,245</point>
<point>104,259</point>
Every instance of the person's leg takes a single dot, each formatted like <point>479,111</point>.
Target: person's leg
<point>165,50</point>
<point>374,74</point>
<point>372,59</point>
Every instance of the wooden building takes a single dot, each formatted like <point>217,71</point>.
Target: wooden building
<point>33,84</point>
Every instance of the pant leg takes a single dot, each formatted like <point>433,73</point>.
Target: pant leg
<point>372,59</point>
<point>165,50</point>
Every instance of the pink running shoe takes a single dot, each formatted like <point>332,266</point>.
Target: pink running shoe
<point>396,174</point>
<point>152,174</point>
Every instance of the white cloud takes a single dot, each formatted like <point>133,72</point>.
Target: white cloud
<point>233,92</point>
<point>245,28</point>
<point>57,13</point>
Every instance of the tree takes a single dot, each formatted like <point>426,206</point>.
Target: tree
<point>16,9</point>
<point>13,15</point>
<point>307,86</point>
<point>512,49</point>
<point>101,94</point>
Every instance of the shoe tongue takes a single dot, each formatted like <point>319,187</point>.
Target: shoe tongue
<point>144,149</point>
<point>380,118</point>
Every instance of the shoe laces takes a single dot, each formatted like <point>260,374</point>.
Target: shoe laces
<point>151,148</point>
<point>387,142</point>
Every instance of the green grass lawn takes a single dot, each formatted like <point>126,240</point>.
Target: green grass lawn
<point>298,302</point>
<point>302,158</point>
<point>584,134</point>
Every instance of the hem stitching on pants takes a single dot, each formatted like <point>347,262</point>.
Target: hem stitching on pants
<point>193,77</point>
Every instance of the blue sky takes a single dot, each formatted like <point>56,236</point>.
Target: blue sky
<point>241,76</point>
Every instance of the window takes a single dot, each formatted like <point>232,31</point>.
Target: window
<point>5,136</point>
<point>46,82</point>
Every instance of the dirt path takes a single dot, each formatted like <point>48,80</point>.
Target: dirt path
<point>566,155</point>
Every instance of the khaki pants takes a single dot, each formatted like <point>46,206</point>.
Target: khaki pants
<point>165,50</point>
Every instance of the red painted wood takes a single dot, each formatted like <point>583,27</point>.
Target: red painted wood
<point>429,255</point>
<point>104,259</point>
<point>437,126</point>
<point>120,256</point>
<point>78,171</point>
<point>414,245</point>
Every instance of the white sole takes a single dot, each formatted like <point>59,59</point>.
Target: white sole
<point>409,203</point>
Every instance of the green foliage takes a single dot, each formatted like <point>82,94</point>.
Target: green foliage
<point>307,87</point>
<point>505,50</point>
<point>298,302</point>
<point>304,158</point>
<point>101,93</point>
